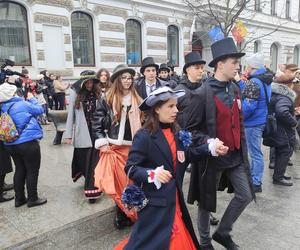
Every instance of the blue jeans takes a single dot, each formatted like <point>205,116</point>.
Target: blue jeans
<point>254,138</point>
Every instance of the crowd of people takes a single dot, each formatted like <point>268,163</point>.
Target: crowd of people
<point>150,127</point>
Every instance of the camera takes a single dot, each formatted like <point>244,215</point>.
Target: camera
<point>7,72</point>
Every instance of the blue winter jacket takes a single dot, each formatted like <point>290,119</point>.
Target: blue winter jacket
<point>24,115</point>
<point>254,104</point>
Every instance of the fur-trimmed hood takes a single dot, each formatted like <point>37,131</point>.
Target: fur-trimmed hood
<point>282,89</point>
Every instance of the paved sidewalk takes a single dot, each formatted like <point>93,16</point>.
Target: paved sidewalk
<point>69,222</point>
<point>66,200</point>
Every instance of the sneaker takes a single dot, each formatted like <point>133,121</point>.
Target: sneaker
<point>38,202</point>
<point>283,182</point>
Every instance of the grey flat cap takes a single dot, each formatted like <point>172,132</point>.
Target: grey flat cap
<point>161,94</point>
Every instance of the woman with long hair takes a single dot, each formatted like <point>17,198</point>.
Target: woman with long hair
<point>157,163</point>
<point>116,120</point>
<point>104,77</point>
<point>85,94</point>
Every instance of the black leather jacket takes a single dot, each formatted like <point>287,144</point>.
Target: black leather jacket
<point>105,130</point>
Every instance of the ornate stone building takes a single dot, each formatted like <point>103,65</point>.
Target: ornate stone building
<point>68,36</point>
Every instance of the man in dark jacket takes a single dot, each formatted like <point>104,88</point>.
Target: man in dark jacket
<point>150,81</point>
<point>163,74</point>
<point>256,94</point>
<point>217,113</point>
<point>282,105</point>
<point>193,70</point>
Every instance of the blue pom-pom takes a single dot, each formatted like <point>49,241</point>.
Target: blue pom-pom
<point>185,137</point>
<point>133,197</point>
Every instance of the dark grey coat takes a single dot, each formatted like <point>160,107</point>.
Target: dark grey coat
<point>202,117</point>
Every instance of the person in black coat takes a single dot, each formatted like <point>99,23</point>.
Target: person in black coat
<point>217,113</point>
<point>282,105</point>
<point>193,70</point>
<point>163,74</point>
<point>145,85</point>
<point>5,168</point>
<point>157,162</point>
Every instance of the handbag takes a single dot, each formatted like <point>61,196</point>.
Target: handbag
<point>133,196</point>
<point>271,124</point>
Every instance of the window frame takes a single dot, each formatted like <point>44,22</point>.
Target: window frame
<point>93,39</point>
<point>141,43</point>
<point>296,48</point>
<point>257,6</point>
<point>288,9</point>
<point>273,7</point>
<point>178,47</point>
<point>277,55</point>
<point>28,39</point>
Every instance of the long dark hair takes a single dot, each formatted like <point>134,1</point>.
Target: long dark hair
<point>116,92</point>
<point>105,85</point>
<point>152,122</point>
<point>81,95</point>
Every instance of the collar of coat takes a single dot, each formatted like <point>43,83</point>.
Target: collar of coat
<point>159,81</point>
<point>282,89</point>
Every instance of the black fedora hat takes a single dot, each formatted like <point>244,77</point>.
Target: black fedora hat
<point>85,76</point>
<point>192,58</point>
<point>223,49</point>
<point>119,70</point>
<point>160,94</point>
<point>164,66</point>
<point>148,62</point>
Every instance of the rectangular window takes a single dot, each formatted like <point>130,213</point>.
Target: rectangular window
<point>257,5</point>
<point>288,9</point>
<point>274,7</point>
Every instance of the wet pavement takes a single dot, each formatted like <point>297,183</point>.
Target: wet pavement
<point>68,221</point>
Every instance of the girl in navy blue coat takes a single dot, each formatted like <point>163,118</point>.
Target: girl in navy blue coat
<point>157,162</point>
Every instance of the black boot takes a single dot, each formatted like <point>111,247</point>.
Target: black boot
<point>58,137</point>
<point>225,241</point>
<point>5,197</point>
<point>121,220</point>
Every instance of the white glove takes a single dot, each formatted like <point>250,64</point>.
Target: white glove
<point>152,176</point>
<point>212,145</point>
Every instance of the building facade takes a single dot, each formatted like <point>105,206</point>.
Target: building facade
<point>69,36</point>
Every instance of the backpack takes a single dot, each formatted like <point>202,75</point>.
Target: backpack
<point>8,129</point>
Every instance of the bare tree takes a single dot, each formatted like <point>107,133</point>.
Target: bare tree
<point>225,14</point>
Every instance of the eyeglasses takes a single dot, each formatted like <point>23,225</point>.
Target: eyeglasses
<point>127,78</point>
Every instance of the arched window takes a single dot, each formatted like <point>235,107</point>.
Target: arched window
<point>82,39</point>
<point>133,42</point>
<point>14,39</point>
<point>173,45</point>
<point>296,55</point>
<point>274,57</point>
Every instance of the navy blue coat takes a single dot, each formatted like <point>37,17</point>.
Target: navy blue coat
<point>153,228</point>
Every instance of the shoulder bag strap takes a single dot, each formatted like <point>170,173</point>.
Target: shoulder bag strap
<point>267,98</point>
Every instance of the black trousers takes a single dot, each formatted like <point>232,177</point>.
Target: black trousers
<point>282,156</point>
<point>59,100</point>
<point>27,159</point>
<point>2,177</point>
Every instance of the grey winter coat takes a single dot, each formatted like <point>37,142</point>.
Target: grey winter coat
<point>76,127</point>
